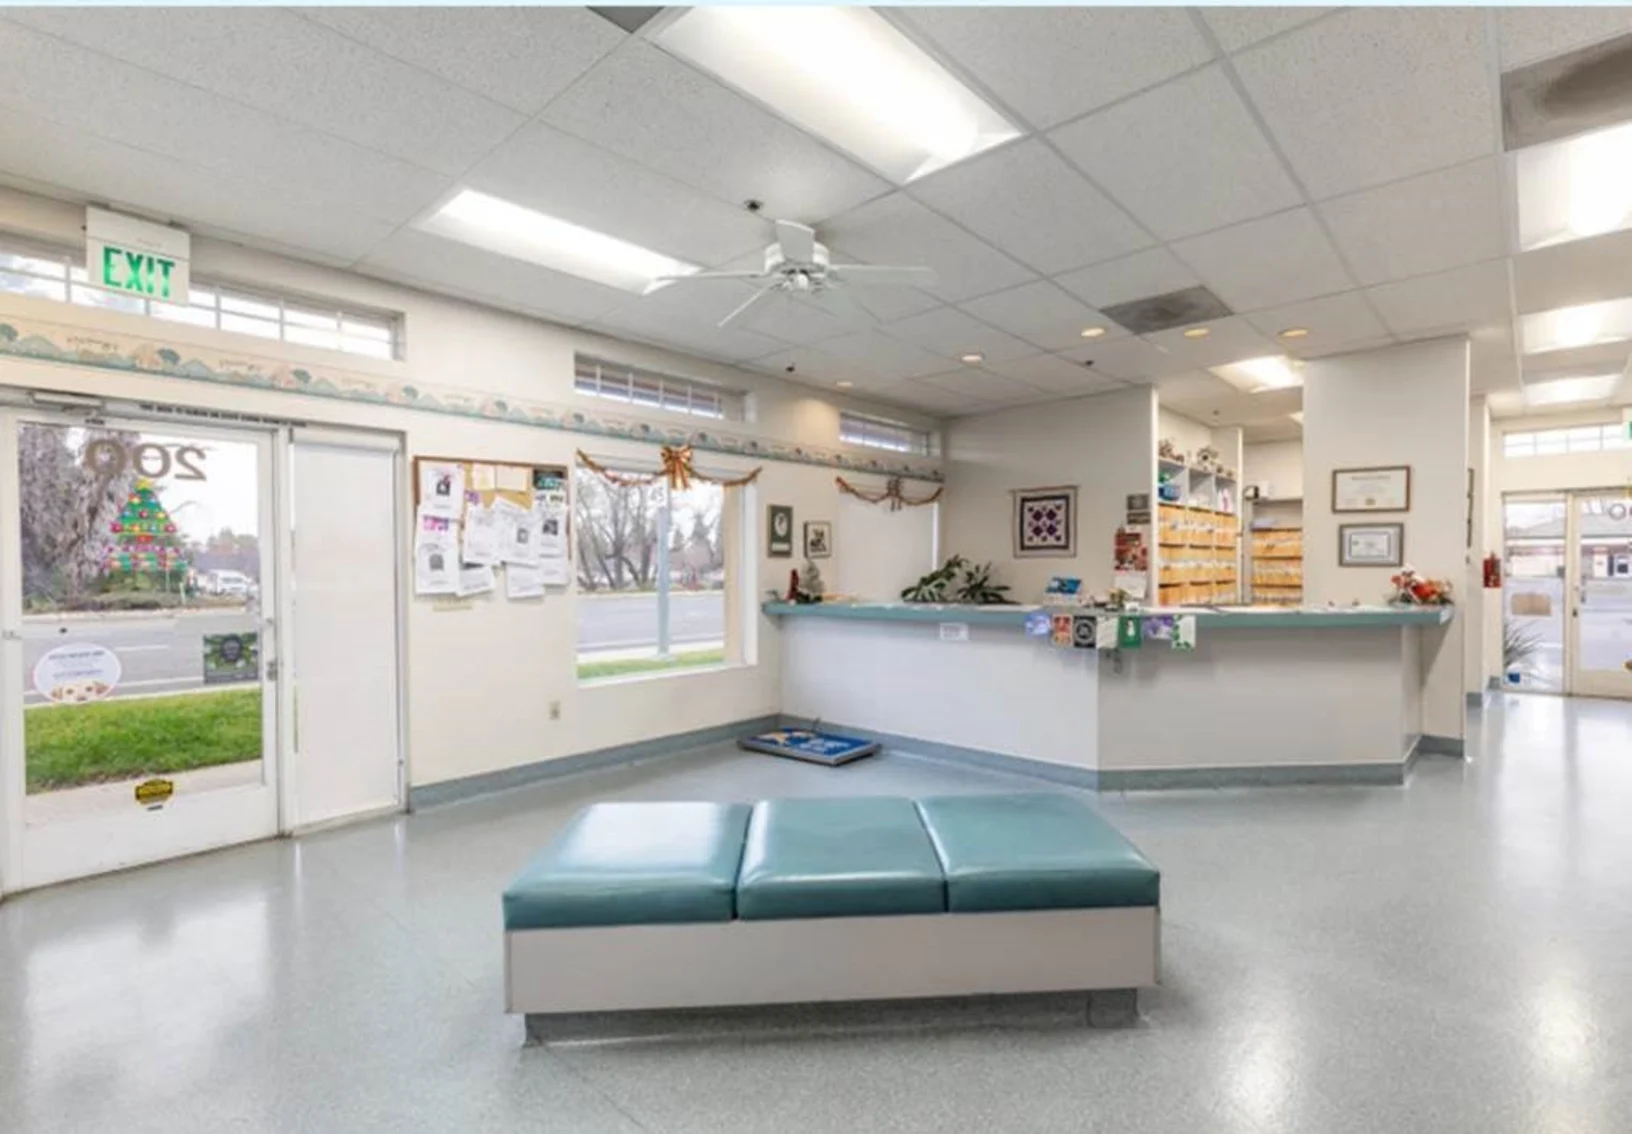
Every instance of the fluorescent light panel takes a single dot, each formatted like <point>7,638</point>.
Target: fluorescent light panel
<point>1567,328</point>
<point>1575,188</point>
<point>847,75</point>
<point>1564,391</point>
<point>524,234</point>
<point>1272,372</point>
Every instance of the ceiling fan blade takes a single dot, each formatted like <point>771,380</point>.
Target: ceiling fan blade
<point>870,274</point>
<point>742,308</point>
<point>660,282</point>
<point>798,241</point>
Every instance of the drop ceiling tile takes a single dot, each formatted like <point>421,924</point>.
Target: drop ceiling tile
<point>1184,158</point>
<point>437,264</point>
<point>1129,359</point>
<point>1267,262</point>
<point>1270,429</point>
<point>1041,313</point>
<point>1228,340</point>
<point>1051,64</point>
<point>1375,94</point>
<point>1155,271</point>
<point>1334,323</point>
<point>1032,205</point>
<point>797,320</point>
<point>1055,374</point>
<point>1191,386</point>
<point>1242,27</point>
<point>916,395</point>
<point>122,103</point>
<point>881,356</point>
<point>812,366</point>
<point>1582,271</point>
<point>1456,300</point>
<point>518,57</point>
<point>273,59</point>
<point>973,382</point>
<point>568,178</point>
<point>701,338</point>
<point>899,230</point>
<point>1425,224</point>
<point>950,333</point>
<point>1528,35</point>
<point>657,111</point>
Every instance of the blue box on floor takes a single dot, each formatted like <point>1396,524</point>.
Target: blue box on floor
<point>805,744</point>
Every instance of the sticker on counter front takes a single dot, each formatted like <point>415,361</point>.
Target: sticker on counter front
<point>76,674</point>
<point>1159,628</point>
<point>1062,630</point>
<point>1038,624</point>
<point>954,631</point>
<point>1129,636</point>
<point>1082,631</point>
<point>1184,632</point>
<point>1105,632</point>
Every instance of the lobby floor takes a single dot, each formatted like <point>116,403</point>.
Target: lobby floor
<point>1451,956</point>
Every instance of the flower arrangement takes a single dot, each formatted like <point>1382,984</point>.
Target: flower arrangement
<point>1412,589</point>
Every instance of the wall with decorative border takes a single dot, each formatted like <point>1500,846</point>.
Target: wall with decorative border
<point>23,336</point>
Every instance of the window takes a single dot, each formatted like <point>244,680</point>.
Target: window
<point>618,382</point>
<point>654,571</point>
<point>877,433</point>
<point>47,273</point>
<point>1575,439</point>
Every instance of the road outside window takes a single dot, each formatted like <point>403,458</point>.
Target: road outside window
<point>652,577</point>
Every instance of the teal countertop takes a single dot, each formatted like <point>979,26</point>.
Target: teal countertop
<point>1253,618</point>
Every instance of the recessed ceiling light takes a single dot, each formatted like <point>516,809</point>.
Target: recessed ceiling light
<point>1566,328</point>
<point>1575,188</point>
<point>847,75</point>
<point>1254,375</point>
<point>1295,333</point>
<point>844,385</point>
<point>1197,332</point>
<point>973,358</point>
<point>1561,391</point>
<point>524,234</point>
<point>1092,332</point>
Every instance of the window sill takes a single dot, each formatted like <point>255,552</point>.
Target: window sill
<point>659,675</point>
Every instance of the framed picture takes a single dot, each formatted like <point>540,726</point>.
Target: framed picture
<point>818,539</point>
<point>1045,522</point>
<point>1370,545</point>
<point>1384,489</point>
<point>779,531</point>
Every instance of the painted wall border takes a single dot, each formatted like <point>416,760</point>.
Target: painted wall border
<point>46,341</point>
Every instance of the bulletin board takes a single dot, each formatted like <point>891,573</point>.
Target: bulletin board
<point>485,527</point>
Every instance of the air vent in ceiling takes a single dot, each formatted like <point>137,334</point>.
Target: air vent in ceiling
<point>630,20</point>
<point>1568,94</point>
<point>1165,312</point>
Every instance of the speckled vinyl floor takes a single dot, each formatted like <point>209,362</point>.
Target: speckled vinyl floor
<point>1452,956</point>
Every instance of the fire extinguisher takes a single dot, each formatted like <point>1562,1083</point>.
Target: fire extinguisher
<point>1493,572</point>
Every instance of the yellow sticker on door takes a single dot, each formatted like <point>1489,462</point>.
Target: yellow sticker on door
<point>154,794</point>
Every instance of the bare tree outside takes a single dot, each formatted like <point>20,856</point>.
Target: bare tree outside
<point>67,514</point>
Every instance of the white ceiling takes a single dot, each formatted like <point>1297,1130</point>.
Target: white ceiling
<point>1338,170</point>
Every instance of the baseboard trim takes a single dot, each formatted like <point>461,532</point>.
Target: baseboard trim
<point>1132,779</point>
<point>1430,744</point>
<point>661,747</point>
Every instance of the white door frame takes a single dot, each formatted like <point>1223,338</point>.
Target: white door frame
<point>51,852</point>
<point>1579,682</point>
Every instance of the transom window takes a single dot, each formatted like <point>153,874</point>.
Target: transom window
<point>58,274</point>
<point>880,433</point>
<point>619,382</point>
<point>1574,439</point>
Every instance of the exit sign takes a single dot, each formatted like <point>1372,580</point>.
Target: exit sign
<point>136,256</point>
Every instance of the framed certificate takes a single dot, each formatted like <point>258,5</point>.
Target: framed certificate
<point>1370,545</point>
<point>1386,489</point>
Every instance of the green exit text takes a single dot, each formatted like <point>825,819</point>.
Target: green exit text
<point>140,272</point>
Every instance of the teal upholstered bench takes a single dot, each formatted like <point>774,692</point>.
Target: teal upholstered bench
<point>673,905</point>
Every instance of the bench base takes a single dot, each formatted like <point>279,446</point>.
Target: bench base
<point>805,961</point>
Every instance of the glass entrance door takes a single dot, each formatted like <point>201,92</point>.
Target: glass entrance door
<point>1600,594</point>
<point>136,585</point>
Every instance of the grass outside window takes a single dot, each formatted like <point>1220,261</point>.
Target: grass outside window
<point>107,741</point>
<point>624,667</point>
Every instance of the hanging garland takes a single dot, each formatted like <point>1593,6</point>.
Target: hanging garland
<point>677,469</point>
<point>892,493</point>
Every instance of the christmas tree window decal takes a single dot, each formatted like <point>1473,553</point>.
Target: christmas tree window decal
<point>144,535</point>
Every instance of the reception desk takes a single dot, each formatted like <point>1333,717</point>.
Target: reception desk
<point>1266,696</point>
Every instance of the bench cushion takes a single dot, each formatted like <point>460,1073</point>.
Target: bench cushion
<point>633,864</point>
<point>838,858</point>
<point>1034,851</point>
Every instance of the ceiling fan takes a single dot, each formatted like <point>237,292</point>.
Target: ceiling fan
<point>797,265</point>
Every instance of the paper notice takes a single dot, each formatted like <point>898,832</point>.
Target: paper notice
<point>482,478</point>
<point>436,556</point>
<point>511,478</point>
<point>552,525</point>
<point>481,544</point>
<point>475,579</point>
<point>556,572</point>
<point>522,581</point>
<point>518,534</point>
<point>441,489</point>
